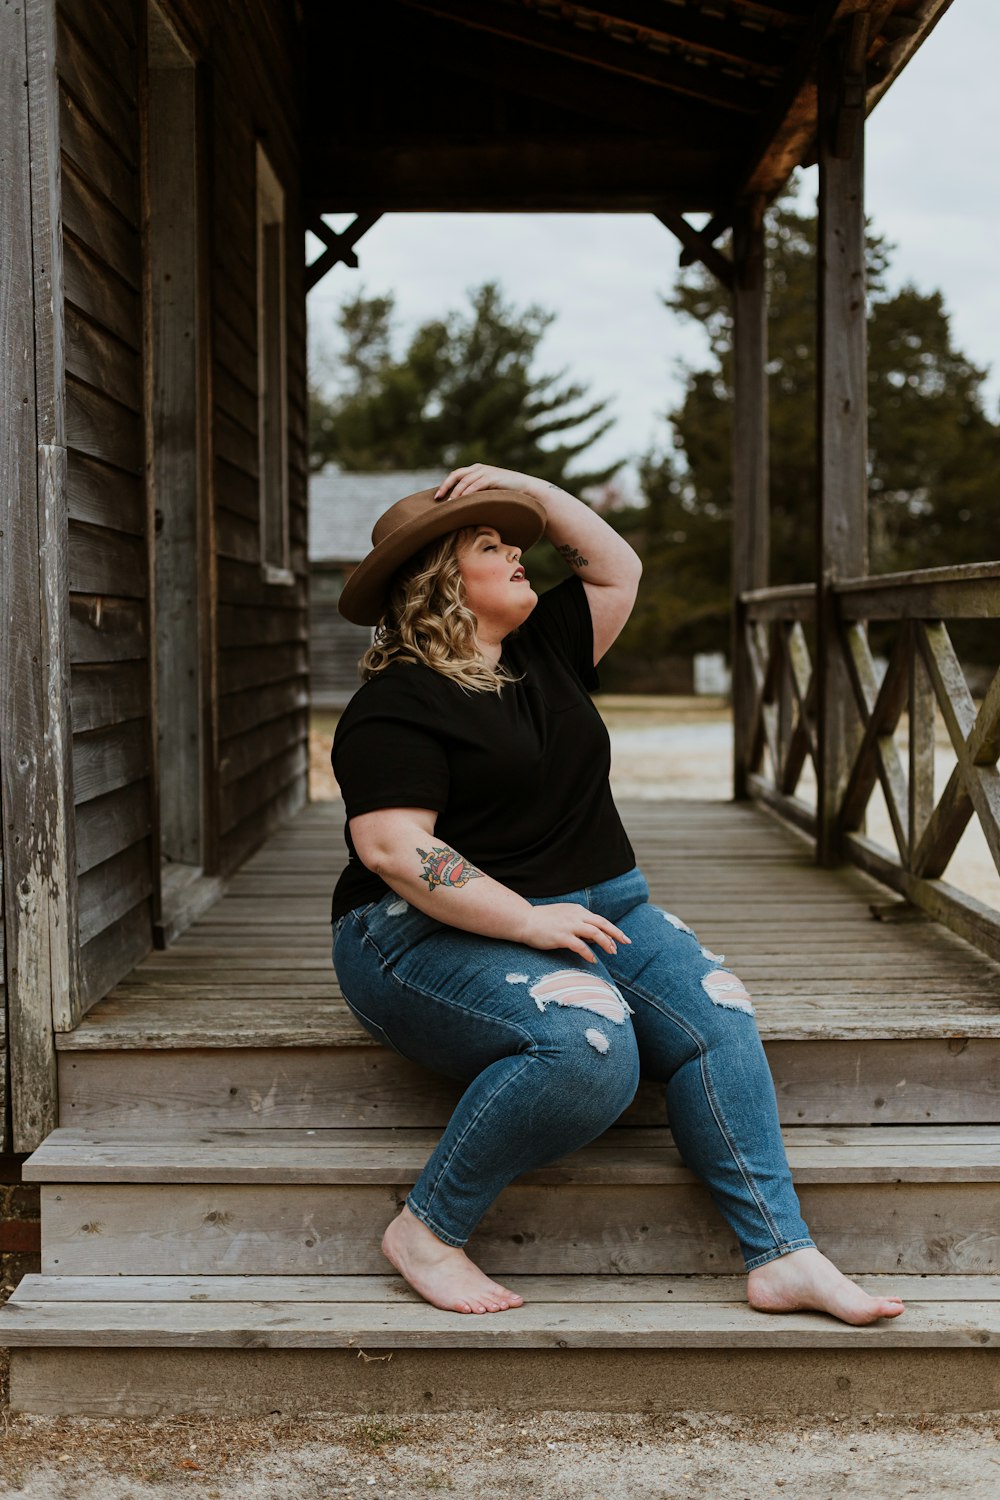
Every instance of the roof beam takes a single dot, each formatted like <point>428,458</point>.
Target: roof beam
<point>791,120</point>
<point>532,29</point>
<point>434,48</point>
<point>531,176</point>
<point>750,47</point>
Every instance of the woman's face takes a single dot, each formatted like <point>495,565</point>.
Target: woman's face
<point>497,591</point>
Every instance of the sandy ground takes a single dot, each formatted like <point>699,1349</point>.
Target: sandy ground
<point>683,747</point>
<point>485,1454</point>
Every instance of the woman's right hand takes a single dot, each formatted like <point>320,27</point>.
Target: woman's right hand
<point>564,924</point>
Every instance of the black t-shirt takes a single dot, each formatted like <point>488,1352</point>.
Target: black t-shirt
<point>520,781</point>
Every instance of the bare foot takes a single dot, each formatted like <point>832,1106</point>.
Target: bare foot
<point>442,1274</point>
<point>806,1279</point>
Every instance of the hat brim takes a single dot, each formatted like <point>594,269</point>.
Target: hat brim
<point>518,517</point>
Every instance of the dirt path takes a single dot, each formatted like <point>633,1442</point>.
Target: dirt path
<point>488,1455</point>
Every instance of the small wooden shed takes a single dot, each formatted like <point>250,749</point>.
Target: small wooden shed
<point>343,508</point>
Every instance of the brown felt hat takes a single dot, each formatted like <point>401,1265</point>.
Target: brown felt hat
<point>417,519</point>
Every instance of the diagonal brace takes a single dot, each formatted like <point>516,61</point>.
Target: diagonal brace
<point>698,245</point>
<point>339,247</point>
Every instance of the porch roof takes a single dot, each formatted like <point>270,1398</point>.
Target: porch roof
<point>549,105</point>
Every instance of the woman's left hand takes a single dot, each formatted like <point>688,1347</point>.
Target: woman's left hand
<point>476,477</point>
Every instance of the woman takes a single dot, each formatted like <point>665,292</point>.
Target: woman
<point>492,923</point>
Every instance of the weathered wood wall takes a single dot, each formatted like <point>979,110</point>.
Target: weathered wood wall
<point>262,628</point>
<point>257,759</point>
<point>97,61</point>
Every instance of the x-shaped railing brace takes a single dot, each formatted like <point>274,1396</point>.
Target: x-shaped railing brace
<point>339,247</point>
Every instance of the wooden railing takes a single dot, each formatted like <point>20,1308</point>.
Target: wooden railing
<point>922,671</point>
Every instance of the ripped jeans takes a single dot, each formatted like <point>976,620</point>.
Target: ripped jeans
<point>552,1048</point>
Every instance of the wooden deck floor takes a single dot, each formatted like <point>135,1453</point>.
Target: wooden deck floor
<point>256,969</point>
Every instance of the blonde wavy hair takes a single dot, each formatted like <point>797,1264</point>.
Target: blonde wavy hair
<point>427,619</point>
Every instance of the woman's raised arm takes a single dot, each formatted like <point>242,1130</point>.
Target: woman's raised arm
<point>609,568</point>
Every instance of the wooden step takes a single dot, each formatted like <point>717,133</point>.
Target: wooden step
<point>144,1345</point>
<point>241,1021</point>
<point>819,1079</point>
<point>908,1199</point>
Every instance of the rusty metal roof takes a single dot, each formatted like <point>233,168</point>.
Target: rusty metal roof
<point>550,105</point>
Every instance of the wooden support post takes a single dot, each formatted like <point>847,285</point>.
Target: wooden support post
<point>842,424</point>
<point>751,517</point>
<point>39,864</point>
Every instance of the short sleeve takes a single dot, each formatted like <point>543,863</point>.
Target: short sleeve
<point>384,761</point>
<point>562,617</point>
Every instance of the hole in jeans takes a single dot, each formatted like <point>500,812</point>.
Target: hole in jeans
<point>573,987</point>
<point>723,988</point>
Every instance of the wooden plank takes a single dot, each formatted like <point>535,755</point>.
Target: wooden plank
<point>111,890</point>
<point>387,1291</point>
<point>250,750</point>
<point>247,835</point>
<point>240,712</point>
<point>94,26</point>
<point>104,234</point>
<point>242,626</point>
<point>92,355</point>
<point>102,428</point>
<point>32,786</point>
<point>341,1158</point>
<point>50,360</point>
<point>256,1382</point>
<point>107,825</point>
<point>107,693</point>
<point>104,561</point>
<point>103,629</point>
<point>967,591</point>
<point>90,285</point>
<point>114,951</point>
<point>100,495</point>
<point>97,159</point>
<point>161,1228</point>
<point>110,758</point>
<point>537,1324</point>
<point>260,785</point>
<point>95,89</point>
<point>338,1078</point>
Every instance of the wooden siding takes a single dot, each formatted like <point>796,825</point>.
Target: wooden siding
<point>262,628</point>
<point>257,762</point>
<point>98,70</point>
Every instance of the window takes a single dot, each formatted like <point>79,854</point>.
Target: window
<point>272,410</point>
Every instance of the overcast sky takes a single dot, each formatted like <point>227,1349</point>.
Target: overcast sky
<point>932,190</point>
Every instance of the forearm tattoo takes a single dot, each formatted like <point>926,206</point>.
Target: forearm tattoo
<point>443,866</point>
<point>572,556</point>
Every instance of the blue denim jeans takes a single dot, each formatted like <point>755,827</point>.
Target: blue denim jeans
<point>552,1048</point>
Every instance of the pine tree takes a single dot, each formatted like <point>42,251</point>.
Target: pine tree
<point>464,390</point>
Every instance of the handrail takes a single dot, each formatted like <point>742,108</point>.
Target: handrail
<point>922,672</point>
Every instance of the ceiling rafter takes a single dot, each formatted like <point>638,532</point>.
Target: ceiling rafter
<point>750,47</point>
<point>533,29</point>
<point>620,103</point>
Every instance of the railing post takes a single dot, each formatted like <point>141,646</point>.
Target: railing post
<point>750,524</point>
<point>842,394</point>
